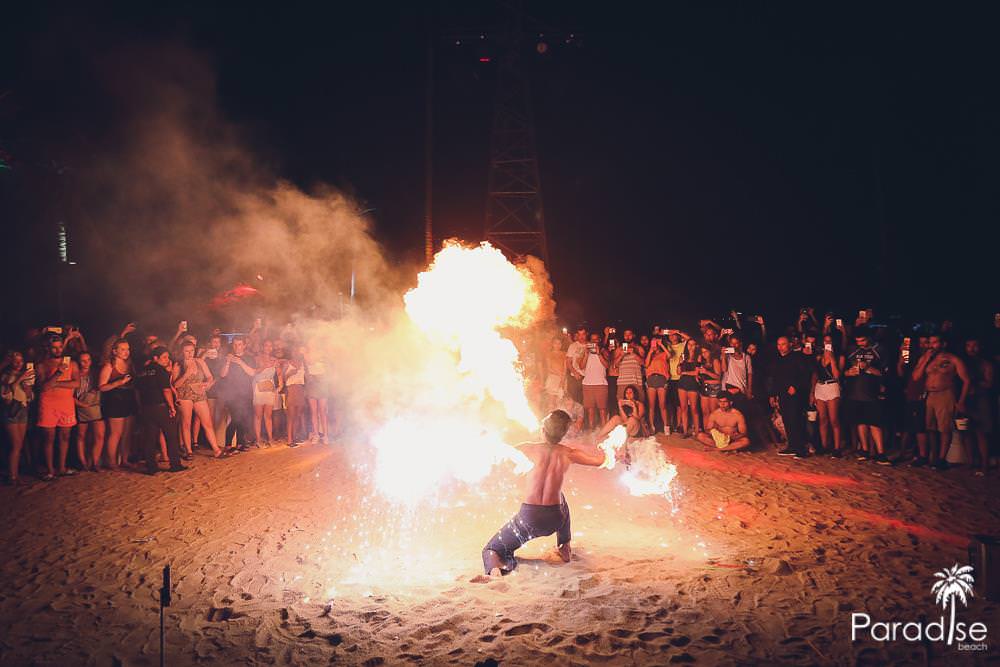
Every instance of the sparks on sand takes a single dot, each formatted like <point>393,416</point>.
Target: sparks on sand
<point>445,457</point>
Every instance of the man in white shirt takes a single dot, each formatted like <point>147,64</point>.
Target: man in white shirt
<point>595,383</point>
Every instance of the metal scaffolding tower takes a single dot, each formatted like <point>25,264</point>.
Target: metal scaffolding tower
<point>515,218</point>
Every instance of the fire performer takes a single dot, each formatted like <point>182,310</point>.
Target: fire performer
<point>545,510</point>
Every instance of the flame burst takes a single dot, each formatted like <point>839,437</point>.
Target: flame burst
<point>460,305</point>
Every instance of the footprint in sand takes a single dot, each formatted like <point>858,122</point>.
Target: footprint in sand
<point>525,628</point>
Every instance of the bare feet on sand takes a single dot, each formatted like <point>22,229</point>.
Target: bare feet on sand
<point>495,573</point>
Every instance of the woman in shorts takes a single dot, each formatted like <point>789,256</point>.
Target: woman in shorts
<point>826,395</point>
<point>688,388</point>
<point>293,373</point>
<point>118,403</point>
<point>88,413</point>
<point>657,372</point>
<point>16,393</point>
<point>265,391</point>
<point>192,379</point>
<point>317,392</point>
<point>710,379</point>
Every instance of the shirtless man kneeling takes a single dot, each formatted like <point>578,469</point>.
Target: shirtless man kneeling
<point>544,510</point>
<point>726,428</point>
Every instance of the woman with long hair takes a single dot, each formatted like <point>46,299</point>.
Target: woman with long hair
<point>829,365</point>
<point>118,402</point>
<point>88,414</point>
<point>16,393</point>
<point>293,375</point>
<point>657,373</point>
<point>710,378</point>
<point>265,391</point>
<point>688,388</point>
<point>192,379</point>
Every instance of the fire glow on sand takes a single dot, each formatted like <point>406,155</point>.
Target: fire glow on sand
<point>440,472</point>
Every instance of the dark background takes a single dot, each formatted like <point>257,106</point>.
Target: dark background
<point>694,157</point>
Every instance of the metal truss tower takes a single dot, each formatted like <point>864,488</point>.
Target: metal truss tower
<point>515,217</point>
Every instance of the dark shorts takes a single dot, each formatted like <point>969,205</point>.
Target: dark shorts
<point>15,413</point>
<point>656,381</point>
<point>531,522</point>
<point>689,383</point>
<point>914,419</point>
<point>868,413</point>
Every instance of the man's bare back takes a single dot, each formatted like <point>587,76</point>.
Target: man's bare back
<point>551,462</point>
<point>544,510</point>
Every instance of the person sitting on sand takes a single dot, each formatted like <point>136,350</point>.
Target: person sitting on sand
<point>544,510</point>
<point>726,429</point>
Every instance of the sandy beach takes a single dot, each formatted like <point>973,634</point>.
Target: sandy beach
<point>280,556</point>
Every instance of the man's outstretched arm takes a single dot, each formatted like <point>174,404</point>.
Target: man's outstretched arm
<point>583,458</point>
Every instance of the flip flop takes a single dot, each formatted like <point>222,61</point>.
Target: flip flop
<point>48,478</point>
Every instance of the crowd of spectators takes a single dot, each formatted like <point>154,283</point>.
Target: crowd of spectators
<point>875,391</point>
<point>864,388</point>
<point>148,404</point>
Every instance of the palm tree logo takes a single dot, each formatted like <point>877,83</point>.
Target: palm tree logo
<point>954,582</point>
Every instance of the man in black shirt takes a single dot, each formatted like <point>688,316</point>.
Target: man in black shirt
<point>862,389</point>
<point>791,379</point>
<point>236,392</point>
<point>157,412</point>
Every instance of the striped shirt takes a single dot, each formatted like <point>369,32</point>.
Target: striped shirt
<point>630,371</point>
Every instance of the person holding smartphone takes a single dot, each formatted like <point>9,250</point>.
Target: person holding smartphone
<point>657,374</point>
<point>825,395</point>
<point>16,393</point>
<point>595,384</point>
<point>862,407</point>
<point>118,403</point>
<point>88,413</point>
<point>58,376</point>
<point>689,388</point>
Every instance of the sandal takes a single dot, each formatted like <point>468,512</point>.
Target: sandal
<point>48,477</point>
<point>68,472</point>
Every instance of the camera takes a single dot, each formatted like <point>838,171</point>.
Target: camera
<point>729,350</point>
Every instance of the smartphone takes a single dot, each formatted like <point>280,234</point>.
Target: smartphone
<point>212,354</point>
<point>861,314</point>
<point>669,332</point>
<point>624,347</point>
<point>65,361</point>
<point>565,331</point>
<point>611,344</point>
<point>184,325</point>
<point>729,350</point>
<point>613,330</point>
<point>906,343</point>
<point>726,332</point>
<point>906,355</point>
<point>840,322</point>
<point>808,348</point>
<point>828,347</point>
<point>54,330</point>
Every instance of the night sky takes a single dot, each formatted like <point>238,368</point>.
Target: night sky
<point>694,158</point>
